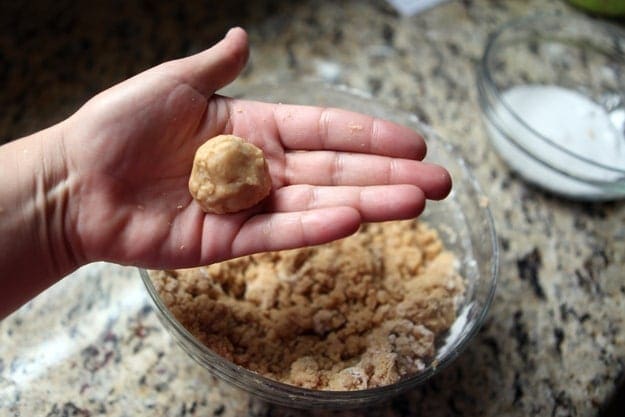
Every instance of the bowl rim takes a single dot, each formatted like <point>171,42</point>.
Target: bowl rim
<point>484,72</point>
<point>355,398</point>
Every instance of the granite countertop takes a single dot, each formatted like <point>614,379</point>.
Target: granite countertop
<point>554,340</point>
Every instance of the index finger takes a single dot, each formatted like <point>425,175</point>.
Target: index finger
<point>320,128</point>
<point>323,128</point>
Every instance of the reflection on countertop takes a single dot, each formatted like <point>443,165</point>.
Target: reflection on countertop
<point>554,341</point>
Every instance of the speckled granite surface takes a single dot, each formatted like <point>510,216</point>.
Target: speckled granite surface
<point>554,341</point>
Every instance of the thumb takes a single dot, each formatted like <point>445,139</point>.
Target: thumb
<point>216,67</point>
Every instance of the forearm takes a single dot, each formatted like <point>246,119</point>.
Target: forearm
<point>34,198</point>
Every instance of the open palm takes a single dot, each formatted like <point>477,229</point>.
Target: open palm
<point>130,151</point>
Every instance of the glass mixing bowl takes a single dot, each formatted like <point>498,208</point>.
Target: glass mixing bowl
<point>462,219</point>
<point>552,94</point>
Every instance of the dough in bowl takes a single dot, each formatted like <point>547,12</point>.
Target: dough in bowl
<point>229,175</point>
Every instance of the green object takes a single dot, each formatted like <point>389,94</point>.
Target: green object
<point>604,7</point>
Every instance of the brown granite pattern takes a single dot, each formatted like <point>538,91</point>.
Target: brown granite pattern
<point>554,341</point>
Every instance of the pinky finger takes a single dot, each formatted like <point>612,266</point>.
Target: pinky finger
<point>279,231</point>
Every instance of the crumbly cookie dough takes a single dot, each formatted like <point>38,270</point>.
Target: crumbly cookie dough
<point>356,313</point>
<point>229,175</point>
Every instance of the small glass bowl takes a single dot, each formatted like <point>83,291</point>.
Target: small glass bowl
<point>552,95</point>
<point>465,226</point>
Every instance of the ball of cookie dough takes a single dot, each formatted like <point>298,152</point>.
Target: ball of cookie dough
<point>229,175</point>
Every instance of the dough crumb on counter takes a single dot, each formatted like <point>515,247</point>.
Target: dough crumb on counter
<point>357,313</point>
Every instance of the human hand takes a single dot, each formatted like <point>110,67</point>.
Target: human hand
<point>129,152</point>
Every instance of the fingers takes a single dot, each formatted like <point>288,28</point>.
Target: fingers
<point>278,231</point>
<point>214,68</point>
<point>375,203</point>
<point>335,168</point>
<point>367,151</point>
<point>314,128</point>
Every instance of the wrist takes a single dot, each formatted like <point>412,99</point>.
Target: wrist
<point>55,200</point>
<point>35,191</point>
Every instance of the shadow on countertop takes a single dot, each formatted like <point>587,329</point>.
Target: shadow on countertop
<point>56,55</point>
<point>616,405</point>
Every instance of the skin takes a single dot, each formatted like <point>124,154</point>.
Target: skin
<point>110,182</point>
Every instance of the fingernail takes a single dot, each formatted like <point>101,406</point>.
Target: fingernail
<point>231,30</point>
